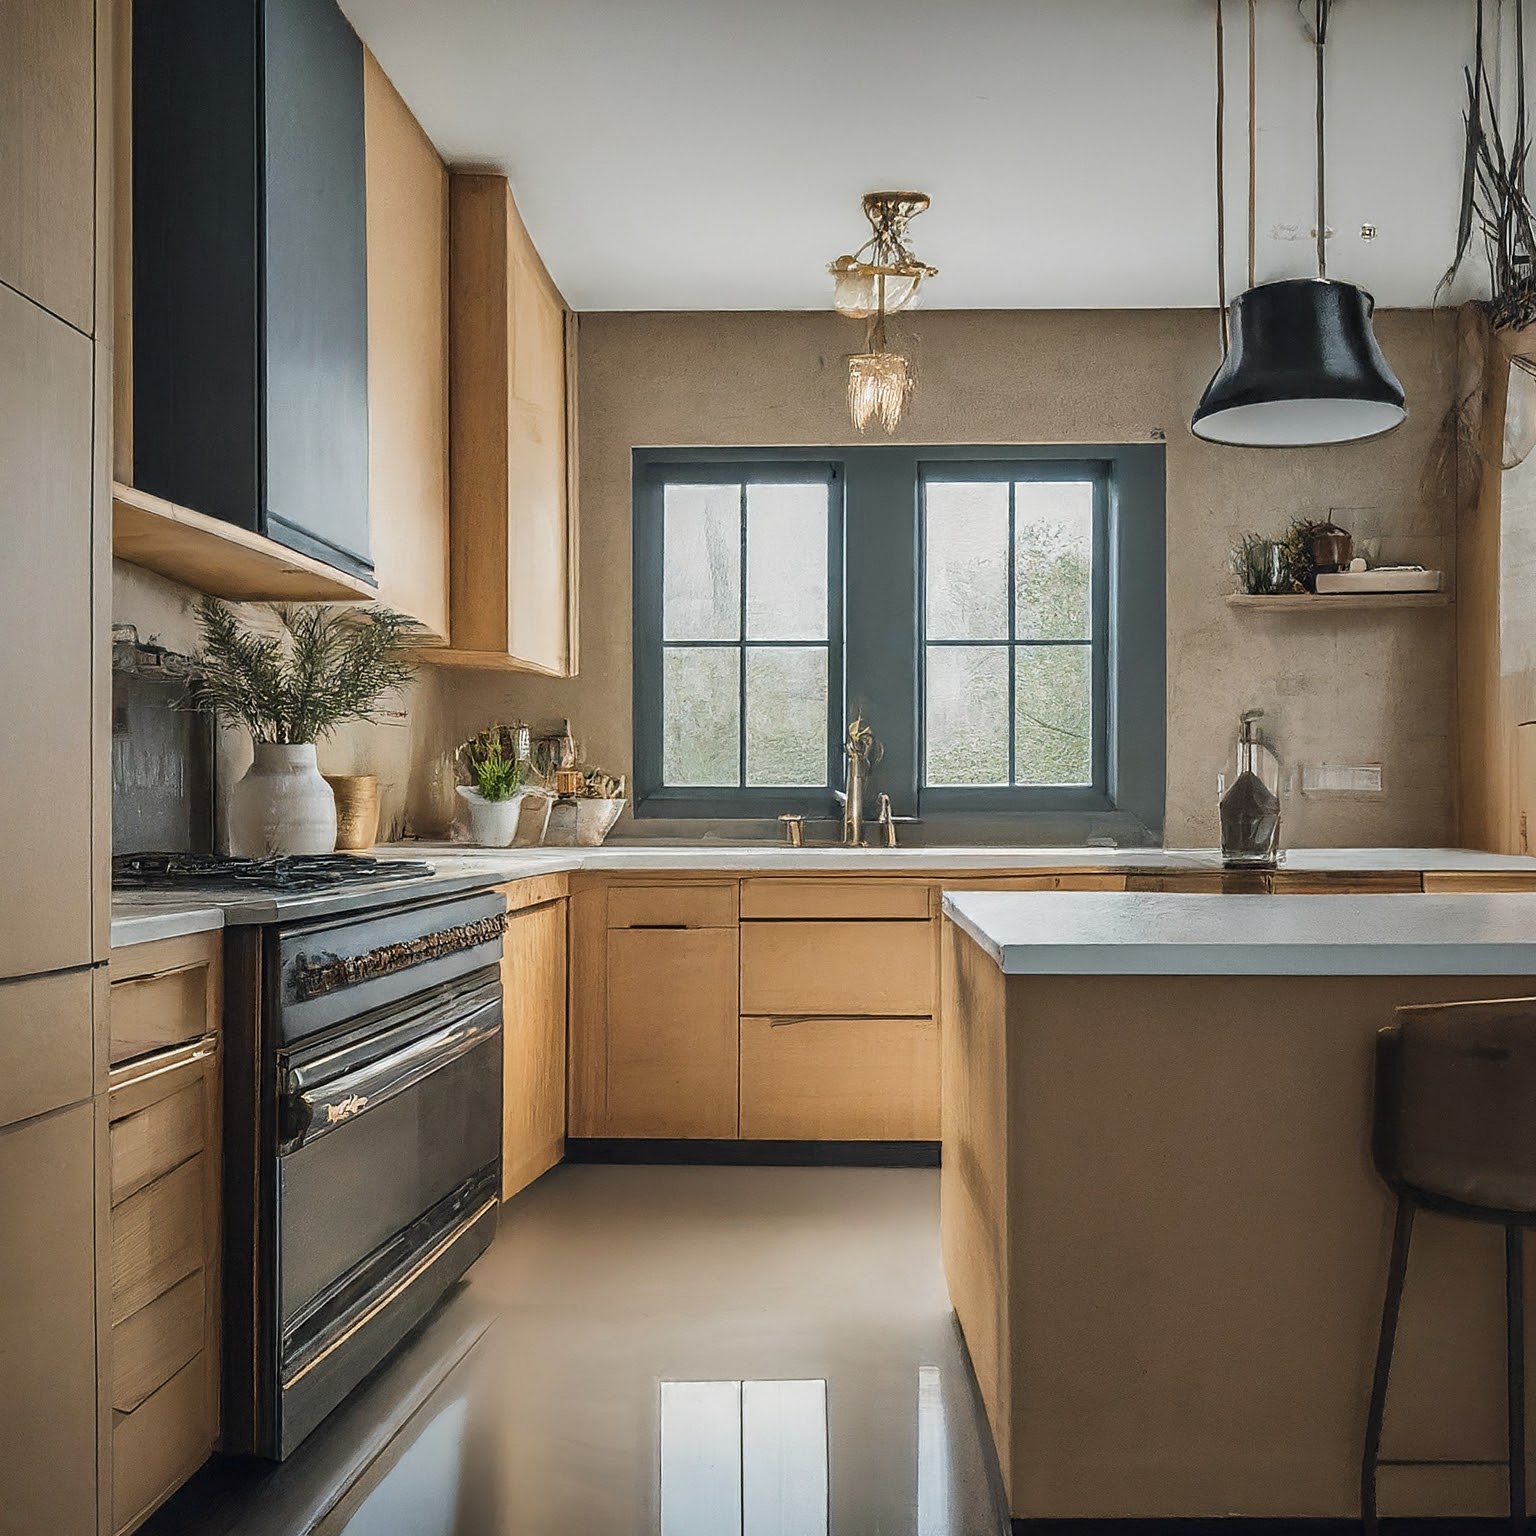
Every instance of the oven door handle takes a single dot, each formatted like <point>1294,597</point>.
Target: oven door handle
<point>311,1111</point>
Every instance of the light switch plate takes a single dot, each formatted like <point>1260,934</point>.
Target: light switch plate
<point>1341,779</point>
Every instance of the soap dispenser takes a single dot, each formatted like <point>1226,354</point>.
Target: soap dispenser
<point>1250,806</point>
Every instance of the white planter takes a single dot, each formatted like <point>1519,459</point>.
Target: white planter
<point>282,805</point>
<point>492,823</point>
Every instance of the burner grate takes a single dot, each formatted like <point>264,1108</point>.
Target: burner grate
<point>293,872</point>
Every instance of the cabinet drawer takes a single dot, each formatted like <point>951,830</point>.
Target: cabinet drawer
<point>1370,882</point>
<point>152,1012</point>
<point>158,1138</point>
<point>45,1044</point>
<point>157,1237</point>
<point>1062,882</point>
<point>834,898</point>
<point>840,1079</point>
<point>837,968</point>
<point>152,1345</point>
<point>672,906</point>
<point>162,1442</point>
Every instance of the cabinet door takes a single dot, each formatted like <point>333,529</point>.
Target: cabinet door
<point>47,154</point>
<point>672,1032</point>
<point>407,357</point>
<point>47,1341</point>
<point>316,282</point>
<point>45,595</point>
<point>533,1011</point>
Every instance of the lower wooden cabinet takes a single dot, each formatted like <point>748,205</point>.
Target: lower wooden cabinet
<point>670,1049</point>
<point>533,1020</point>
<point>830,1079</point>
<point>48,1400</point>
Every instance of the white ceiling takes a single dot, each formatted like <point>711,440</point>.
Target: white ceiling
<point>710,154</point>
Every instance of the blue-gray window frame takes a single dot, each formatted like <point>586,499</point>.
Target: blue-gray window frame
<point>879,561</point>
<point>653,797</point>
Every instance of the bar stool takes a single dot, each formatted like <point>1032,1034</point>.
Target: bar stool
<point>1455,1132</point>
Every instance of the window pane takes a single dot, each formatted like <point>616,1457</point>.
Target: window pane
<point>700,716</point>
<point>966,560</point>
<point>967,714</point>
<point>1053,559</point>
<point>787,714</point>
<point>1054,719</point>
<point>787,562</point>
<point>701,553</point>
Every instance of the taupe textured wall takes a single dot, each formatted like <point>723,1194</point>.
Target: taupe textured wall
<point>1354,688</point>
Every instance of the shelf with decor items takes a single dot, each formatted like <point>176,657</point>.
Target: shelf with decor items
<point>1353,602</point>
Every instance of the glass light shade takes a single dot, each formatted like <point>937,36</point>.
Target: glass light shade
<point>879,386</point>
<point>855,292</point>
<point>1303,369</point>
<point>902,293</point>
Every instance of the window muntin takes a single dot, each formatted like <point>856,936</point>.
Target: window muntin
<point>747,637</point>
<point>1013,600</point>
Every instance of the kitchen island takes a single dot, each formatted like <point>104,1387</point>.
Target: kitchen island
<point>1163,1234</point>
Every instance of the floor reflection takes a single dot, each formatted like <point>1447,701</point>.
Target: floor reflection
<point>689,1352</point>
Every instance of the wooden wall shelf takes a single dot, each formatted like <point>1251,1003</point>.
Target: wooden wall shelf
<point>1354,602</point>
<point>218,558</point>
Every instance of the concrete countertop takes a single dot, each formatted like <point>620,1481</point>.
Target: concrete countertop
<point>141,916</point>
<point>1063,933</point>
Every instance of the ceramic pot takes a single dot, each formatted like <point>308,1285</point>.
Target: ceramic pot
<point>282,805</point>
<point>357,809</point>
<point>492,823</point>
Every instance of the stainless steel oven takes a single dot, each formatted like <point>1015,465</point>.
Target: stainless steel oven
<point>363,1132</point>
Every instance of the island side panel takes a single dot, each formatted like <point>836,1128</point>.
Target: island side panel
<point>973,1179</point>
<point>1198,1247</point>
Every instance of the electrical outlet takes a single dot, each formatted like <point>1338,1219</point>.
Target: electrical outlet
<point>1341,779</point>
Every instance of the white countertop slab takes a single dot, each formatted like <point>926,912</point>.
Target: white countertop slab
<point>1063,933</point>
<point>140,921</point>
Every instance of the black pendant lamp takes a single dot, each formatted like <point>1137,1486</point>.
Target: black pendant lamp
<point>1302,364</point>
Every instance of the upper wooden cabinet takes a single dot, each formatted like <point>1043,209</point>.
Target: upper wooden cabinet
<point>249,306</point>
<point>407,357</point>
<point>47,154</point>
<point>513,555</point>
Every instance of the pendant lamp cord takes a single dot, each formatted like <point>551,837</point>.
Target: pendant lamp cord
<point>1221,179</point>
<point>1253,140</point>
<point>1320,37</point>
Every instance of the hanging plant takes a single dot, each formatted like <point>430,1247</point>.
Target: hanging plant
<point>1493,189</point>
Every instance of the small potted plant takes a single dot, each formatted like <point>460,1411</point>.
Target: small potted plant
<point>495,799</point>
<point>289,683</point>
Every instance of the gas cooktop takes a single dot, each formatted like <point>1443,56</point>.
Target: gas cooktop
<point>293,872</point>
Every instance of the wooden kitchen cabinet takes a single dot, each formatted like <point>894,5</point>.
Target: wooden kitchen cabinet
<point>48,744</point>
<point>407,357</point>
<point>512,545</point>
<point>47,154</point>
<point>48,1363</point>
<point>533,980</point>
<point>820,1079</point>
<point>853,968</point>
<point>163,1184</point>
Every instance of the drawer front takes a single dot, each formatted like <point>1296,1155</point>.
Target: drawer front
<point>162,1442</point>
<point>837,968</point>
<point>150,1013</point>
<point>834,898</point>
<point>1374,882</point>
<point>158,1138</point>
<point>152,1345</point>
<point>45,1044</point>
<point>1062,882</point>
<point>157,1238</point>
<point>672,906</point>
<point>840,1079</point>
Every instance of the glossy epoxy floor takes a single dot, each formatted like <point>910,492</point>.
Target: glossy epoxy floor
<point>670,1352</point>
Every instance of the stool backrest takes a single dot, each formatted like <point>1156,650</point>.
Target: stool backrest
<point>1456,1102</point>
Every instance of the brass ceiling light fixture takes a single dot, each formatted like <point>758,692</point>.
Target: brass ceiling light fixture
<point>881,278</point>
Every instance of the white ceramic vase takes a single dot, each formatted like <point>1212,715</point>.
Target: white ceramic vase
<point>282,805</point>
<point>492,823</point>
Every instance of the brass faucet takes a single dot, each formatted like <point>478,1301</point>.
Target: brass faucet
<point>857,749</point>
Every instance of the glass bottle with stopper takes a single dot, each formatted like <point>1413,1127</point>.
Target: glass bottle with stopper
<point>1250,805</point>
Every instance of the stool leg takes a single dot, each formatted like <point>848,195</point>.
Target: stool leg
<point>1402,1234</point>
<point>1514,1343</point>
